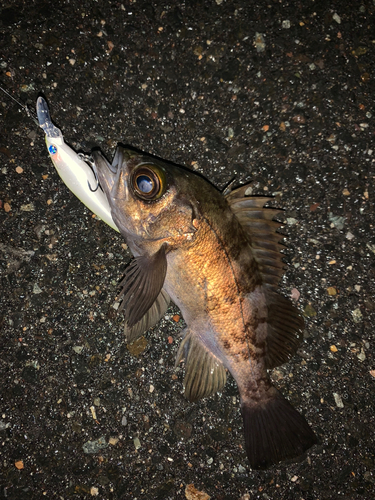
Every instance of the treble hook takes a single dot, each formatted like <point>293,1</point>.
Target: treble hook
<point>97,184</point>
<point>88,159</point>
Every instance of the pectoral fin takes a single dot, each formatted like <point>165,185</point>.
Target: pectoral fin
<point>142,283</point>
<point>151,317</point>
<point>204,373</point>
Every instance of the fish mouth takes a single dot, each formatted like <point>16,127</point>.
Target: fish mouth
<point>107,173</point>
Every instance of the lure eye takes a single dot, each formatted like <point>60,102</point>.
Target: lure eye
<point>148,182</point>
<point>52,149</point>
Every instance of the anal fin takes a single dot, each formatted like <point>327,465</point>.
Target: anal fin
<point>204,373</point>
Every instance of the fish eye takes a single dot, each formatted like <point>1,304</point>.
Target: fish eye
<point>148,182</point>
<point>145,184</point>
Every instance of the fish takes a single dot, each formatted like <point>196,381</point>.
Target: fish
<point>217,257</point>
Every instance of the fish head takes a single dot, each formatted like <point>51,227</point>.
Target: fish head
<point>150,200</point>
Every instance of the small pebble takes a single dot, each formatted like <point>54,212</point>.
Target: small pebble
<point>338,400</point>
<point>191,493</point>
<point>91,447</point>
<point>29,207</point>
<point>137,443</point>
<point>361,356</point>
<point>357,315</point>
<point>309,311</point>
<point>259,42</point>
<point>295,294</point>
<point>37,289</point>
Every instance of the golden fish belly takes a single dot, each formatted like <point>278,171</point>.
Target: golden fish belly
<point>211,289</point>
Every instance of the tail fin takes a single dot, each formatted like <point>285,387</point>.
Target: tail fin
<point>274,431</point>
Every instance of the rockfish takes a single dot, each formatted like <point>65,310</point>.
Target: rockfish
<point>218,259</point>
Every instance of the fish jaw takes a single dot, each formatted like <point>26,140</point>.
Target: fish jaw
<point>113,179</point>
<point>105,171</point>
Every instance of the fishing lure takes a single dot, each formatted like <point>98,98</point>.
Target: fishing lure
<point>75,169</point>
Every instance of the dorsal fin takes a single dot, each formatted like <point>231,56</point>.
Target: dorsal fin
<point>284,329</point>
<point>261,230</point>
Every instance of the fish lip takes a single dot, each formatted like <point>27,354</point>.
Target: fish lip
<point>105,172</point>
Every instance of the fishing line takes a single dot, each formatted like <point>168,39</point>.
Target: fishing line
<point>25,107</point>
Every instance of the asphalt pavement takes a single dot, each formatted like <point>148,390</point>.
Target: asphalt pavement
<point>277,93</point>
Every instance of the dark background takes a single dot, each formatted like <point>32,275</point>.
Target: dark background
<point>280,93</point>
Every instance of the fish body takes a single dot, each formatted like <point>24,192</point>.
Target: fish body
<point>218,259</point>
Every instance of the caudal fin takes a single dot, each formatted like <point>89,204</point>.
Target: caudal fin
<point>274,431</point>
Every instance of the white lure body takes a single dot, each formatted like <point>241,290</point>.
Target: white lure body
<point>73,170</point>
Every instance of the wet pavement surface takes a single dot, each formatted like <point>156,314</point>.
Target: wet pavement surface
<point>277,93</point>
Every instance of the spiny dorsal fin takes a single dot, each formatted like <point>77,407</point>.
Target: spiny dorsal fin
<point>204,374</point>
<point>261,230</point>
<point>241,193</point>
